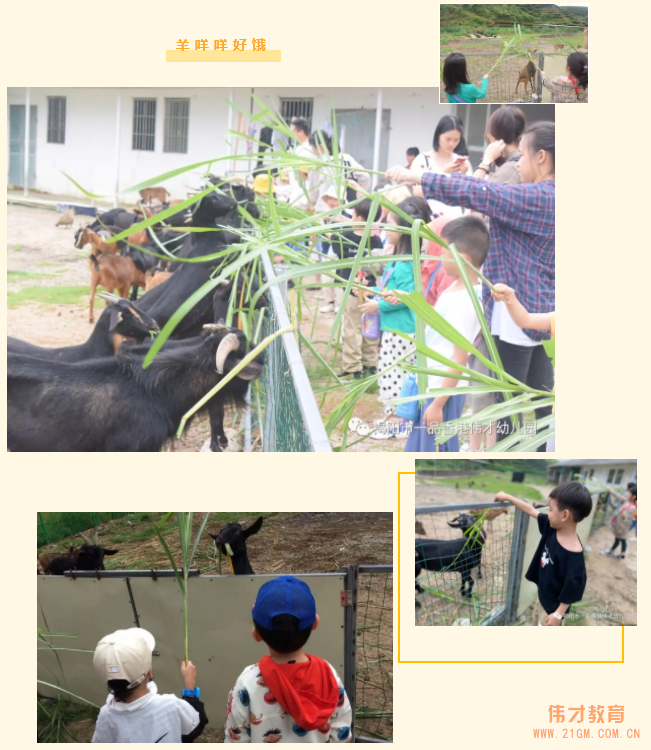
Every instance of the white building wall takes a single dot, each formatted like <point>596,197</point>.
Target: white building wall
<point>88,154</point>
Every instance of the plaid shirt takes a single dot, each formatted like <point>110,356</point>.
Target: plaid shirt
<point>562,89</point>
<point>522,231</point>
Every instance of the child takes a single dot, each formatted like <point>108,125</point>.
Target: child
<point>359,353</point>
<point>558,566</point>
<point>573,87</point>
<point>134,712</point>
<point>394,314</point>
<point>329,197</point>
<point>455,79</point>
<point>622,518</point>
<point>470,236</point>
<point>289,696</point>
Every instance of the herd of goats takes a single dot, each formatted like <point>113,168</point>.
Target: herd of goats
<point>96,396</point>
<point>231,541</point>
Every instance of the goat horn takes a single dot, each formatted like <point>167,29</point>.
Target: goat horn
<point>86,539</point>
<point>96,538</point>
<point>108,296</point>
<point>230,343</point>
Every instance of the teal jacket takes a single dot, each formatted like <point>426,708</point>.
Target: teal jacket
<point>398,317</point>
<point>469,92</point>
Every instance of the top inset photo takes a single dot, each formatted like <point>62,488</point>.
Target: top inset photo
<point>516,53</point>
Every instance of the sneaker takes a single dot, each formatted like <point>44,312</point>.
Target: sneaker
<point>632,539</point>
<point>619,557</point>
<point>369,371</point>
<point>346,376</point>
<point>329,308</point>
<point>608,552</point>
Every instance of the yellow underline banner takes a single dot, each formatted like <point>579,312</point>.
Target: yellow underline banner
<point>267,56</point>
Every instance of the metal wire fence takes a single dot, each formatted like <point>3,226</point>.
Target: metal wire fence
<point>503,86</point>
<point>468,563</point>
<point>284,415</point>
<point>54,526</point>
<point>605,506</point>
<point>374,663</point>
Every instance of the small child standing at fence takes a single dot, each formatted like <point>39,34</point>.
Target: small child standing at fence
<point>572,88</point>
<point>289,696</point>
<point>134,712</point>
<point>558,566</point>
<point>455,79</point>
<point>621,520</point>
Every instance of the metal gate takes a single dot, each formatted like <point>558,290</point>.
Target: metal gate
<point>495,580</point>
<point>357,135</point>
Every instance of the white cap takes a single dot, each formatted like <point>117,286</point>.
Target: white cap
<point>125,655</point>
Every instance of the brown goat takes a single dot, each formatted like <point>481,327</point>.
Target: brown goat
<point>86,236</point>
<point>559,47</point>
<point>154,277</point>
<point>46,559</point>
<point>420,529</point>
<point>527,74</point>
<point>160,193</point>
<point>113,272</point>
<point>138,238</point>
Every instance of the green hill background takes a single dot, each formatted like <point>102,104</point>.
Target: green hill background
<point>481,17</point>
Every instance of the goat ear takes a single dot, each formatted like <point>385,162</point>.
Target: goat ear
<point>116,317</point>
<point>253,528</point>
<point>251,371</point>
<point>214,536</point>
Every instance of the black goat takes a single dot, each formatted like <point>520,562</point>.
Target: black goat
<point>120,319</point>
<point>107,218</point>
<point>235,536</point>
<point>91,554</point>
<point>459,555</point>
<point>113,404</point>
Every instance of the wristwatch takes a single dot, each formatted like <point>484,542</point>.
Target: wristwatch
<point>196,693</point>
<point>558,616</point>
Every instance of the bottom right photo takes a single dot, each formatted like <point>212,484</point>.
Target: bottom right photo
<point>526,542</point>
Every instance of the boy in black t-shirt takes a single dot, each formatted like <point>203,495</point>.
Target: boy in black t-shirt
<point>359,353</point>
<point>558,567</point>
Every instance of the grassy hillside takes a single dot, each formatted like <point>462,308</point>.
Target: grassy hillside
<point>488,17</point>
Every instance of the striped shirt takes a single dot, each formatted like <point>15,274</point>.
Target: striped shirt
<point>522,230</point>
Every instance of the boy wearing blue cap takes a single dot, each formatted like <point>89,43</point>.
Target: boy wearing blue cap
<point>289,696</point>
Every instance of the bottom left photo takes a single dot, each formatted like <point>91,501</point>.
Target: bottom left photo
<point>215,627</point>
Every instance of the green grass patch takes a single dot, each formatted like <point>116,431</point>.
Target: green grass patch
<point>17,248</point>
<point>20,275</point>
<point>48,295</point>
<point>45,264</point>
<point>491,484</point>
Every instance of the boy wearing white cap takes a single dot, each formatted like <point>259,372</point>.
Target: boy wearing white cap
<point>289,696</point>
<point>134,712</point>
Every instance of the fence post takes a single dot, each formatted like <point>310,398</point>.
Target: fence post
<point>516,563</point>
<point>350,638</point>
<point>40,518</point>
<point>541,66</point>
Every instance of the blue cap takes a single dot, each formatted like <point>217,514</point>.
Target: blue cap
<point>285,596</point>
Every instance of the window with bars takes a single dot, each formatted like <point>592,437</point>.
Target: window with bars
<point>56,119</point>
<point>297,108</point>
<point>144,124</point>
<point>619,476</point>
<point>177,117</point>
<point>611,475</point>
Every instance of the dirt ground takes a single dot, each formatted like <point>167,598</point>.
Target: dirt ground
<point>612,583</point>
<point>328,541</point>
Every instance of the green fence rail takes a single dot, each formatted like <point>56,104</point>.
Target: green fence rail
<point>54,526</point>
<point>283,409</point>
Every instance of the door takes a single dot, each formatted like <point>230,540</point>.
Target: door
<point>17,145</point>
<point>356,128</point>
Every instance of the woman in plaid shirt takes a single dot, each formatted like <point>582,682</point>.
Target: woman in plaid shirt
<point>522,251</point>
<point>573,87</point>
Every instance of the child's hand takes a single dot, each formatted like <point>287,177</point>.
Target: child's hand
<point>189,672</point>
<point>501,497</point>
<point>503,293</point>
<point>485,76</point>
<point>433,413</point>
<point>391,297</point>
<point>369,307</point>
<point>551,620</point>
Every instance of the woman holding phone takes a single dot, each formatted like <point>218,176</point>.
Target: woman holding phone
<point>449,155</point>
